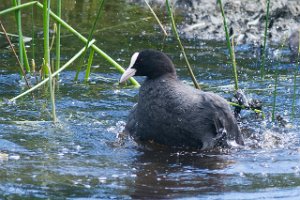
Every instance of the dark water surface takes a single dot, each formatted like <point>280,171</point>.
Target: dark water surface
<point>80,158</point>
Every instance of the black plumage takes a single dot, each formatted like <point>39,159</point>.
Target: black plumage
<point>175,114</point>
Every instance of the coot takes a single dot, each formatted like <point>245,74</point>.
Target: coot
<point>171,113</point>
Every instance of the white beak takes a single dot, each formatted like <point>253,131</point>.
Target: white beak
<point>129,72</point>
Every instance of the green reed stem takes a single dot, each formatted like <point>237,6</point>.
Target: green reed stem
<point>52,93</point>
<point>32,33</point>
<point>89,38</point>
<point>18,19</point>
<point>295,79</point>
<point>230,48</point>
<point>157,19</point>
<point>53,74</point>
<point>89,65</point>
<point>46,64</point>
<point>22,71</point>
<point>26,61</point>
<point>58,30</point>
<point>263,56</point>
<point>24,5</point>
<point>97,50</point>
<point>77,34</point>
<point>22,49</point>
<point>181,46</point>
<point>46,21</point>
<point>243,107</point>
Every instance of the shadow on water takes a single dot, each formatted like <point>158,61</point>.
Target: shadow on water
<point>178,174</point>
<point>78,157</point>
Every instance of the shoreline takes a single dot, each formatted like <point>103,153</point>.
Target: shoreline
<point>245,19</point>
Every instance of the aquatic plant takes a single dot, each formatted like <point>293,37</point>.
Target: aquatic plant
<point>22,71</point>
<point>46,60</point>
<point>157,19</point>
<point>230,48</point>
<point>22,51</point>
<point>89,65</point>
<point>57,32</point>
<point>72,30</point>
<point>47,69</point>
<point>67,64</point>
<point>32,39</point>
<point>263,55</point>
<point>46,22</point>
<point>88,40</point>
<point>180,45</point>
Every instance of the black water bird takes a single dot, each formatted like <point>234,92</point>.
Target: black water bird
<point>171,113</point>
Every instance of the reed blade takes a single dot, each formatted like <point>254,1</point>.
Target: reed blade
<point>263,57</point>
<point>181,46</point>
<point>230,48</point>
<point>89,38</point>
<point>156,18</point>
<point>89,65</point>
<point>67,64</point>
<point>46,22</point>
<point>58,30</point>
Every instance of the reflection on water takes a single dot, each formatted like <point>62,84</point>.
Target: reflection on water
<point>80,157</point>
<point>179,174</point>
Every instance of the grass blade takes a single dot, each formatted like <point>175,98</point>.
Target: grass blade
<point>32,34</point>
<point>263,57</point>
<point>76,33</point>
<point>230,48</point>
<point>46,22</point>
<point>24,5</point>
<point>18,60</point>
<point>181,46</point>
<point>58,30</point>
<point>157,19</point>
<point>67,64</point>
<point>89,65</point>
<point>89,38</point>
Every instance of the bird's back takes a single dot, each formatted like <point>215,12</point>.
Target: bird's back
<point>172,113</point>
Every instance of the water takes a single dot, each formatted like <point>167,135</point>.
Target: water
<point>80,158</point>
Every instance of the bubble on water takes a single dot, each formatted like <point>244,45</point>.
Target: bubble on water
<point>14,157</point>
<point>78,148</point>
<point>115,176</point>
<point>61,154</point>
<point>133,175</point>
<point>118,128</point>
<point>102,179</point>
<point>242,174</point>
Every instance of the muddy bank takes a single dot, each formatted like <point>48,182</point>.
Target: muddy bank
<point>246,19</point>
